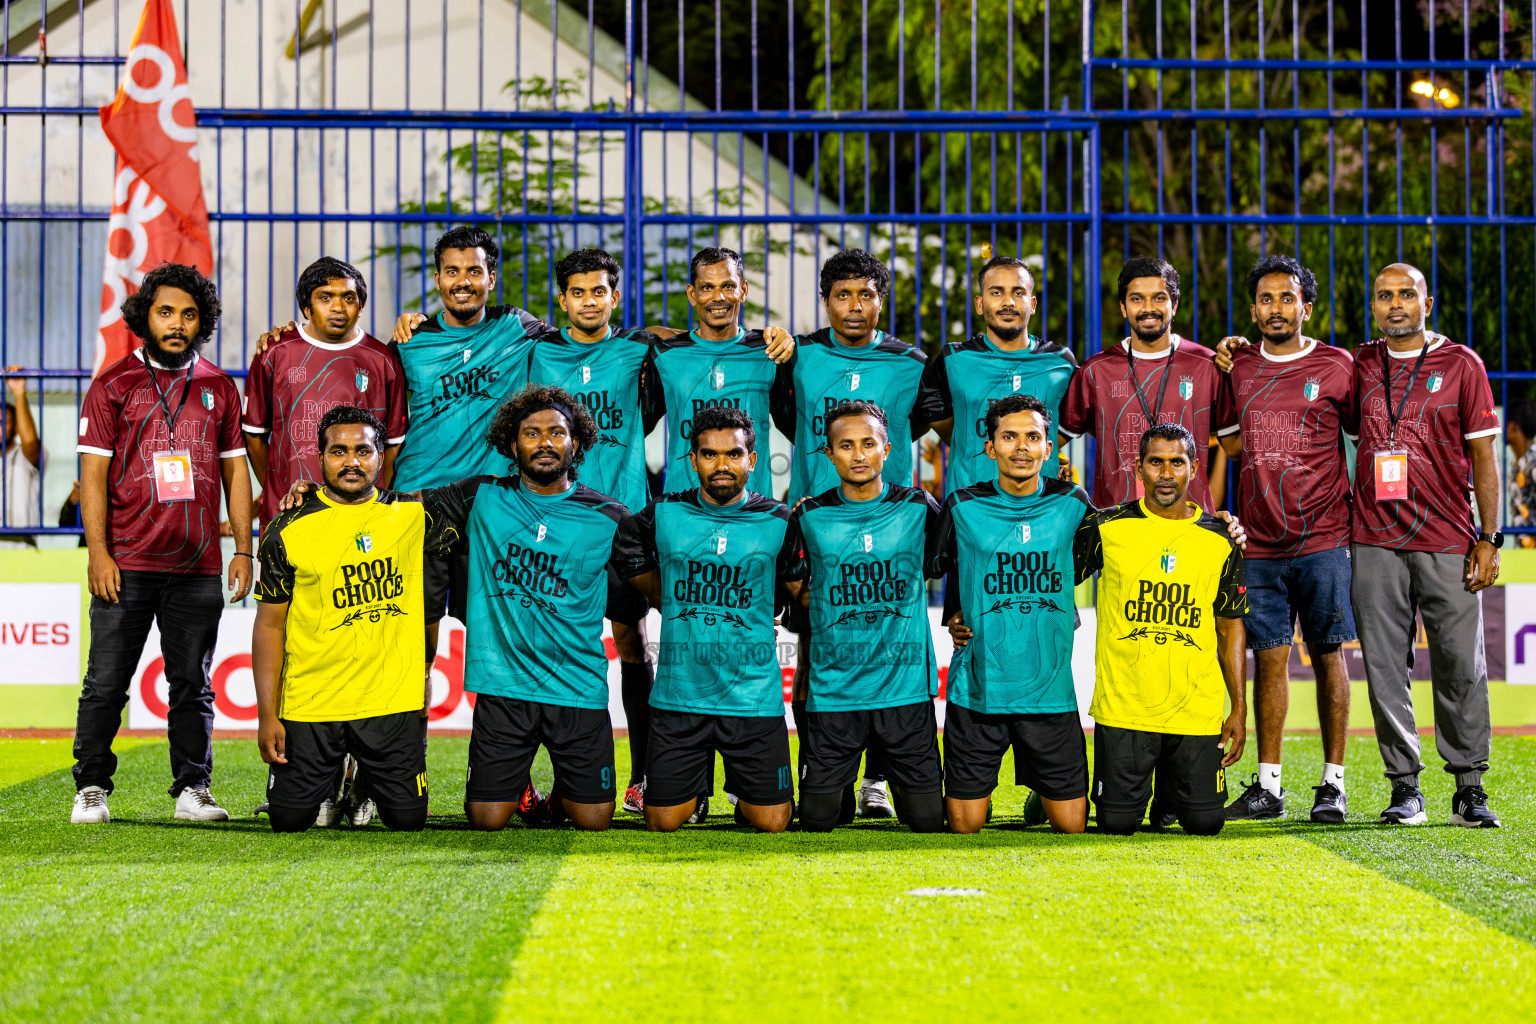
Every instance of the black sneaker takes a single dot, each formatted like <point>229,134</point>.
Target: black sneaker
<point>1469,809</point>
<point>1407,806</point>
<point>1328,806</point>
<point>1256,802</point>
<point>1034,810</point>
<point>1159,818</point>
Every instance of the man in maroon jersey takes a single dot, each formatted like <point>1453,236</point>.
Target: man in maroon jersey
<point>1427,433</point>
<point>1153,376</point>
<point>159,437</point>
<point>1282,410</point>
<point>309,370</point>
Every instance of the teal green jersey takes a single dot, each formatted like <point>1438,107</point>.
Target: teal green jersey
<point>605,377</point>
<point>457,377</point>
<point>687,373</point>
<point>539,587</point>
<point>824,372</point>
<point>720,569</point>
<point>1010,569</point>
<point>870,644</point>
<point>966,378</point>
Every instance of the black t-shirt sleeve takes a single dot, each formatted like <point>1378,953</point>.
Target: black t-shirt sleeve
<point>448,511</point>
<point>934,401</point>
<point>1232,596</point>
<point>653,399</point>
<point>1087,548</point>
<point>781,399</point>
<point>274,584</point>
<point>941,546</point>
<point>634,546</point>
<point>792,563</point>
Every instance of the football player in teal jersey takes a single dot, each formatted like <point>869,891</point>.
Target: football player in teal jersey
<point>713,559</point>
<point>869,670</point>
<point>966,378</point>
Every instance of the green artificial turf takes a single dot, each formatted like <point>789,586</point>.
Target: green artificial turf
<point>151,919</point>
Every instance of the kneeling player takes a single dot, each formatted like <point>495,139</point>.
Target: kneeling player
<point>1007,547</point>
<point>1171,601</point>
<point>712,559</point>
<point>870,667</point>
<point>336,650</point>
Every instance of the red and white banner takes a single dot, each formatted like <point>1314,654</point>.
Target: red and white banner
<point>158,211</point>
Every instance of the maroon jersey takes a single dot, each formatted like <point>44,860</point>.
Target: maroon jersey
<point>1292,487</point>
<point>297,380</point>
<point>124,418</point>
<point>1449,404</point>
<point>1102,401</point>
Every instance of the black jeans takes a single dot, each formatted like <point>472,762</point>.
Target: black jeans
<point>187,609</point>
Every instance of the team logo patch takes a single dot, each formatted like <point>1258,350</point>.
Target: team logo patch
<point>467,353</point>
<point>362,380</point>
<point>1311,389</point>
<point>1023,533</point>
<point>364,542</point>
<point>1186,388</point>
<point>716,377</point>
<point>586,374</point>
<point>869,542</point>
<point>719,543</point>
<point>1170,560</point>
<point>208,398</point>
<point>1434,382</point>
<point>1018,381</point>
<point>853,380</point>
<point>543,532</point>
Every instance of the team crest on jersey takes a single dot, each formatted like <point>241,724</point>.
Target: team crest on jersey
<point>716,377</point>
<point>364,542</point>
<point>1311,389</point>
<point>868,541</point>
<point>853,380</point>
<point>362,380</point>
<point>717,541</point>
<point>1018,381</point>
<point>208,398</point>
<point>586,374</point>
<point>467,353</point>
<point>543,532</point>
<point>1186,388</point>
<point>1170,560</point>
<point>1023,533</point>
<point>1434,382</point>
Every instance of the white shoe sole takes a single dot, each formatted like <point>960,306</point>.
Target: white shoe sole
<point>90,820</point>
<point>1457,819</point>
<point>1418,819</point>
<point>189,816</point>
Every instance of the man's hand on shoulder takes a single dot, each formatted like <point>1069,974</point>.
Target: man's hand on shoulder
<point>1225,348</point>
<point>273,333</point>
<point>1234,529</point>
<point>406,326</point>
<point>781,344</point>
<point>295,496</point>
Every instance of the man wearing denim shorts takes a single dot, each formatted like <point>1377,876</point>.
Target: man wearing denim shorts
<point>1283,409</point>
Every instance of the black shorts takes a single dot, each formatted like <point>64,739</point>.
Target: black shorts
<point>390,751</point>
<point>1188,768</point>
<point>507,733</point>
<point>680,761</point>
<point>908,736</point>
<point>1050,755</point>
<point>445,587</point>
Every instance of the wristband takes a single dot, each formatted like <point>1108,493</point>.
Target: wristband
<point>238,554</point>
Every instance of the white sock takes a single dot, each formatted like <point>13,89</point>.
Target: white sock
<point>1334,774</point>
<point>1269,778</point>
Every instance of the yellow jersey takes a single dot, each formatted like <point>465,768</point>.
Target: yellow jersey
<point>1162,583</point>
<point>351,576</point>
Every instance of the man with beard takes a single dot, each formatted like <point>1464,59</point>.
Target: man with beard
<point>966,378</point>
<point>1282,410</point>
<point>1169,649</point>
<point>713,559</point>
<point>852,360</point>
<point>335,652</point>
<point>1427,427</point>
<point>1154,376</point>
<point>159,438</point>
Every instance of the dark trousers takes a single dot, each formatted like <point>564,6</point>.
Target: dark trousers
<point>187,609</point>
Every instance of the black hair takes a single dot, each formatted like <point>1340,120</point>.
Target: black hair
<point>328,268</point>
<point>856,407</point>
<point>854,265</point>
<point>1168,432</point>
<point>721,417</point>
<point>1148,266</point>
<point>587,261</point>
<point>1003,261</point>
<point>1016,404</point>
<point>1523,415</point>
<point>712,254</point>
<point>467,236</point>
<point>1278,264</point>
<point>508,420</point>
<point>136,307</point>
<point>343,415</point>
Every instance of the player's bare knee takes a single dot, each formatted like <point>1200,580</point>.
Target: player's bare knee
<point>487,817</point>
<point>772,818</point>
<point>590,817</point>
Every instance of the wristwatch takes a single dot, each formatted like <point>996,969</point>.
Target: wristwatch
<point>1496,538</point>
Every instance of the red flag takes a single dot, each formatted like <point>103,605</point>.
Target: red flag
<point>158,212</point>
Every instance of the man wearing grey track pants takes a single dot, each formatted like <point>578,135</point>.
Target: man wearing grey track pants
<point>1426,432</point>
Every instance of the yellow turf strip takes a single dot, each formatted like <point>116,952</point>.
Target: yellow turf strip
<point>1264,928</point>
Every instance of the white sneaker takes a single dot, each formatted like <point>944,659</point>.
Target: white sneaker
<point>90,807</point>
<point>327,815</point>
<point>874,801</point>
<point>363,813</point>
<point>199,805</point>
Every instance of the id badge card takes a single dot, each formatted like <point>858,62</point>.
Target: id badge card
<point>1391,475</point>
<point>173,475</point>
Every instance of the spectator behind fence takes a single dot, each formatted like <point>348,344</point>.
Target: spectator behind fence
<point>1520,433</point>
<point>20,465</point>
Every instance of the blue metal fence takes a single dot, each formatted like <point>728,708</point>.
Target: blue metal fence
<point>788,128</point>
